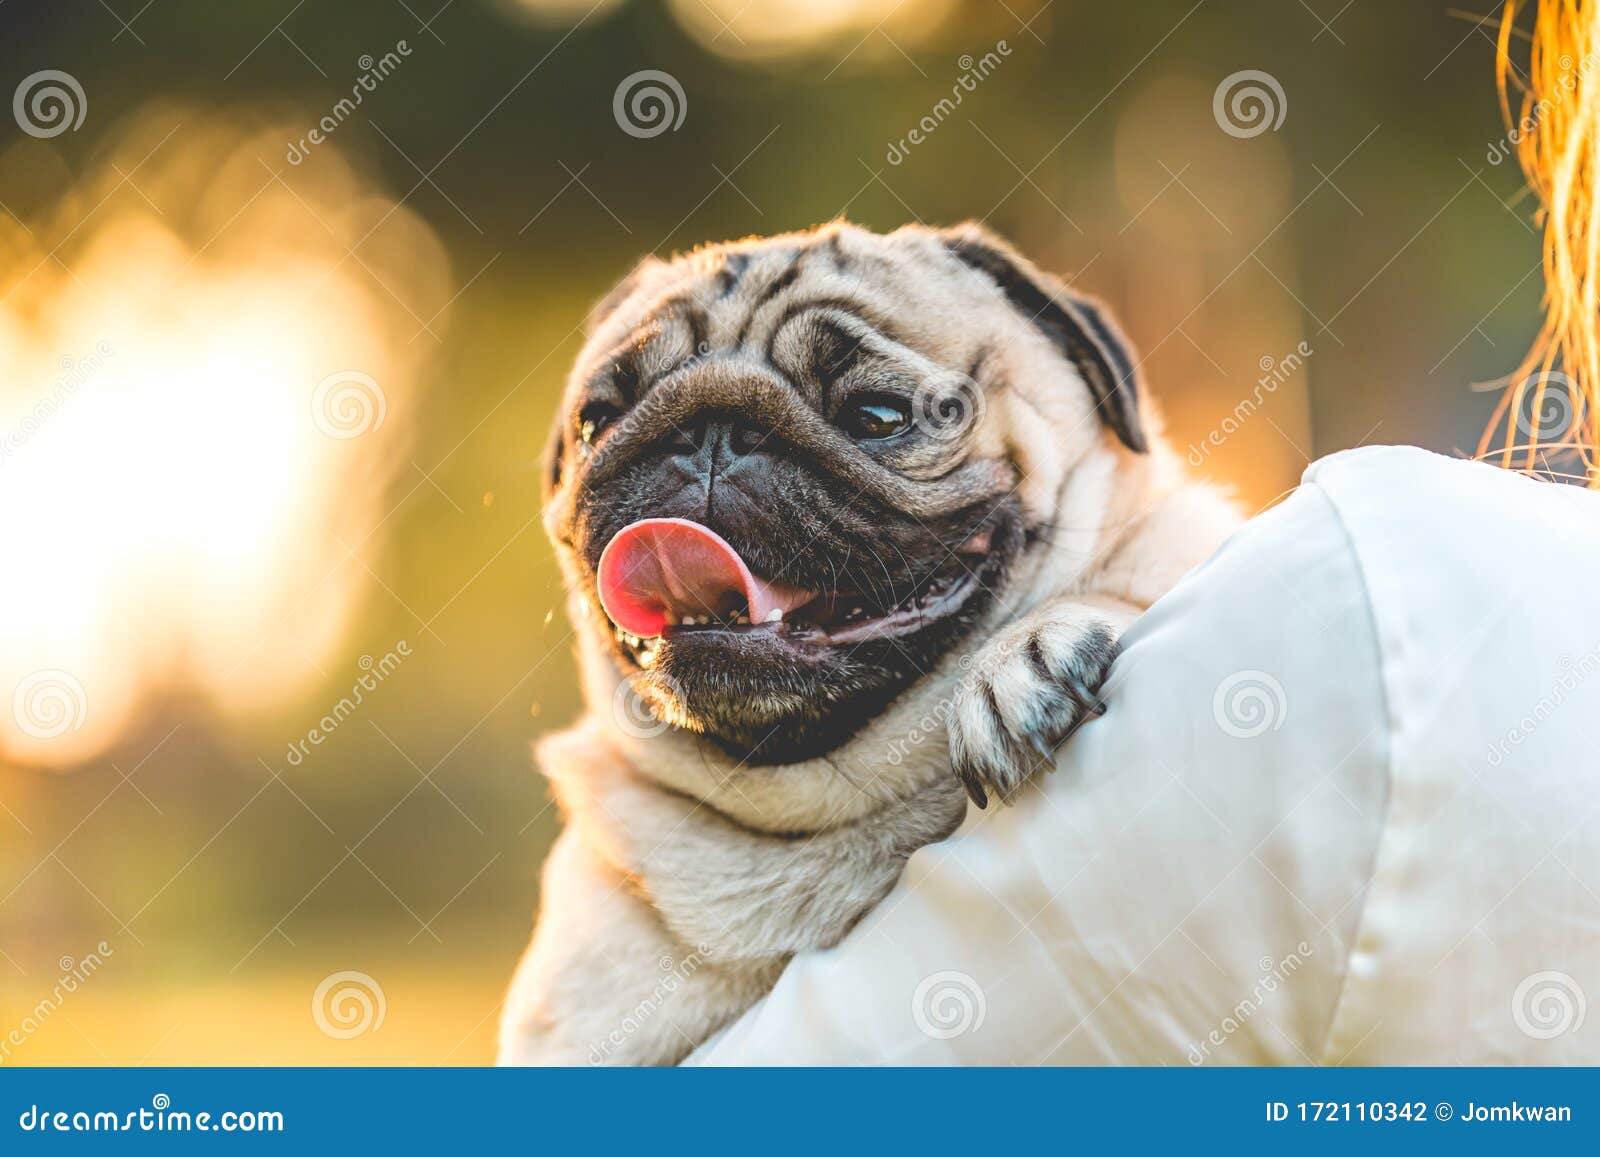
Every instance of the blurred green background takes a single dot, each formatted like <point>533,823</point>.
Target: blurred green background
<point>227,879</point>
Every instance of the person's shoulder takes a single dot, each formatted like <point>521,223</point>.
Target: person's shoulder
<point>1411,511</point>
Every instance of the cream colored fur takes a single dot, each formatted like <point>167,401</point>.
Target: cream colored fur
<point>683,881</point>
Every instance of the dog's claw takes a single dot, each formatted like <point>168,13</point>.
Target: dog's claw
<point>1086,696</point>
<point>1031,689</point>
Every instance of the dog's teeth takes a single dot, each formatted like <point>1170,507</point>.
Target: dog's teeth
<point>775,615</point>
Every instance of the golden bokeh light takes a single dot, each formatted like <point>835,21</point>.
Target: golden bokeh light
<point>769,29</point>
<point>207,365</point>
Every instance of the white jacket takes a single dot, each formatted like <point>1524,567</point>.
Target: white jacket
<point>1344,809</point>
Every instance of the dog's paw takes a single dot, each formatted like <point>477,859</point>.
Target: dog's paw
<point>1025,693</point>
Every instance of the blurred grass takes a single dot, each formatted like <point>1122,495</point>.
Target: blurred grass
<point>440,1008</point>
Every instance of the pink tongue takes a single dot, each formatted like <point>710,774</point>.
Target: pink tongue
<point>659,570</point>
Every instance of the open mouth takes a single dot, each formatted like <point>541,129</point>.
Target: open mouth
<point>669,578</point>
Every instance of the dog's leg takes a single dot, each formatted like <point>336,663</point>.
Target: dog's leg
<point>606,983</point>
<point>1028,689</point>
<point>663,920</point>
<point>749,895</point>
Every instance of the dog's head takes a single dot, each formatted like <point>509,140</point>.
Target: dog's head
<point>790,474</point>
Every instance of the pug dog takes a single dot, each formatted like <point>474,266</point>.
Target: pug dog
<point>850,525</point>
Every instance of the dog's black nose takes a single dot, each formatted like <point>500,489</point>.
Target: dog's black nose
<point>714,443</point>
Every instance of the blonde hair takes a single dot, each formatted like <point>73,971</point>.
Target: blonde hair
<point>1554,128</point>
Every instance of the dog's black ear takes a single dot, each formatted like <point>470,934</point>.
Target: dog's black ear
<point>555,444</point>
<point>1079,326</point>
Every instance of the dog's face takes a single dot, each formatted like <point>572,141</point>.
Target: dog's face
<point>786,472</point>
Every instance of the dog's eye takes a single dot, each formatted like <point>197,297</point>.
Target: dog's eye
<point>873,418</point>
<point>593,420</point>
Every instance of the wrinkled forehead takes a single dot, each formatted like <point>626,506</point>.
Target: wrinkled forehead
<point>738,295</point>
